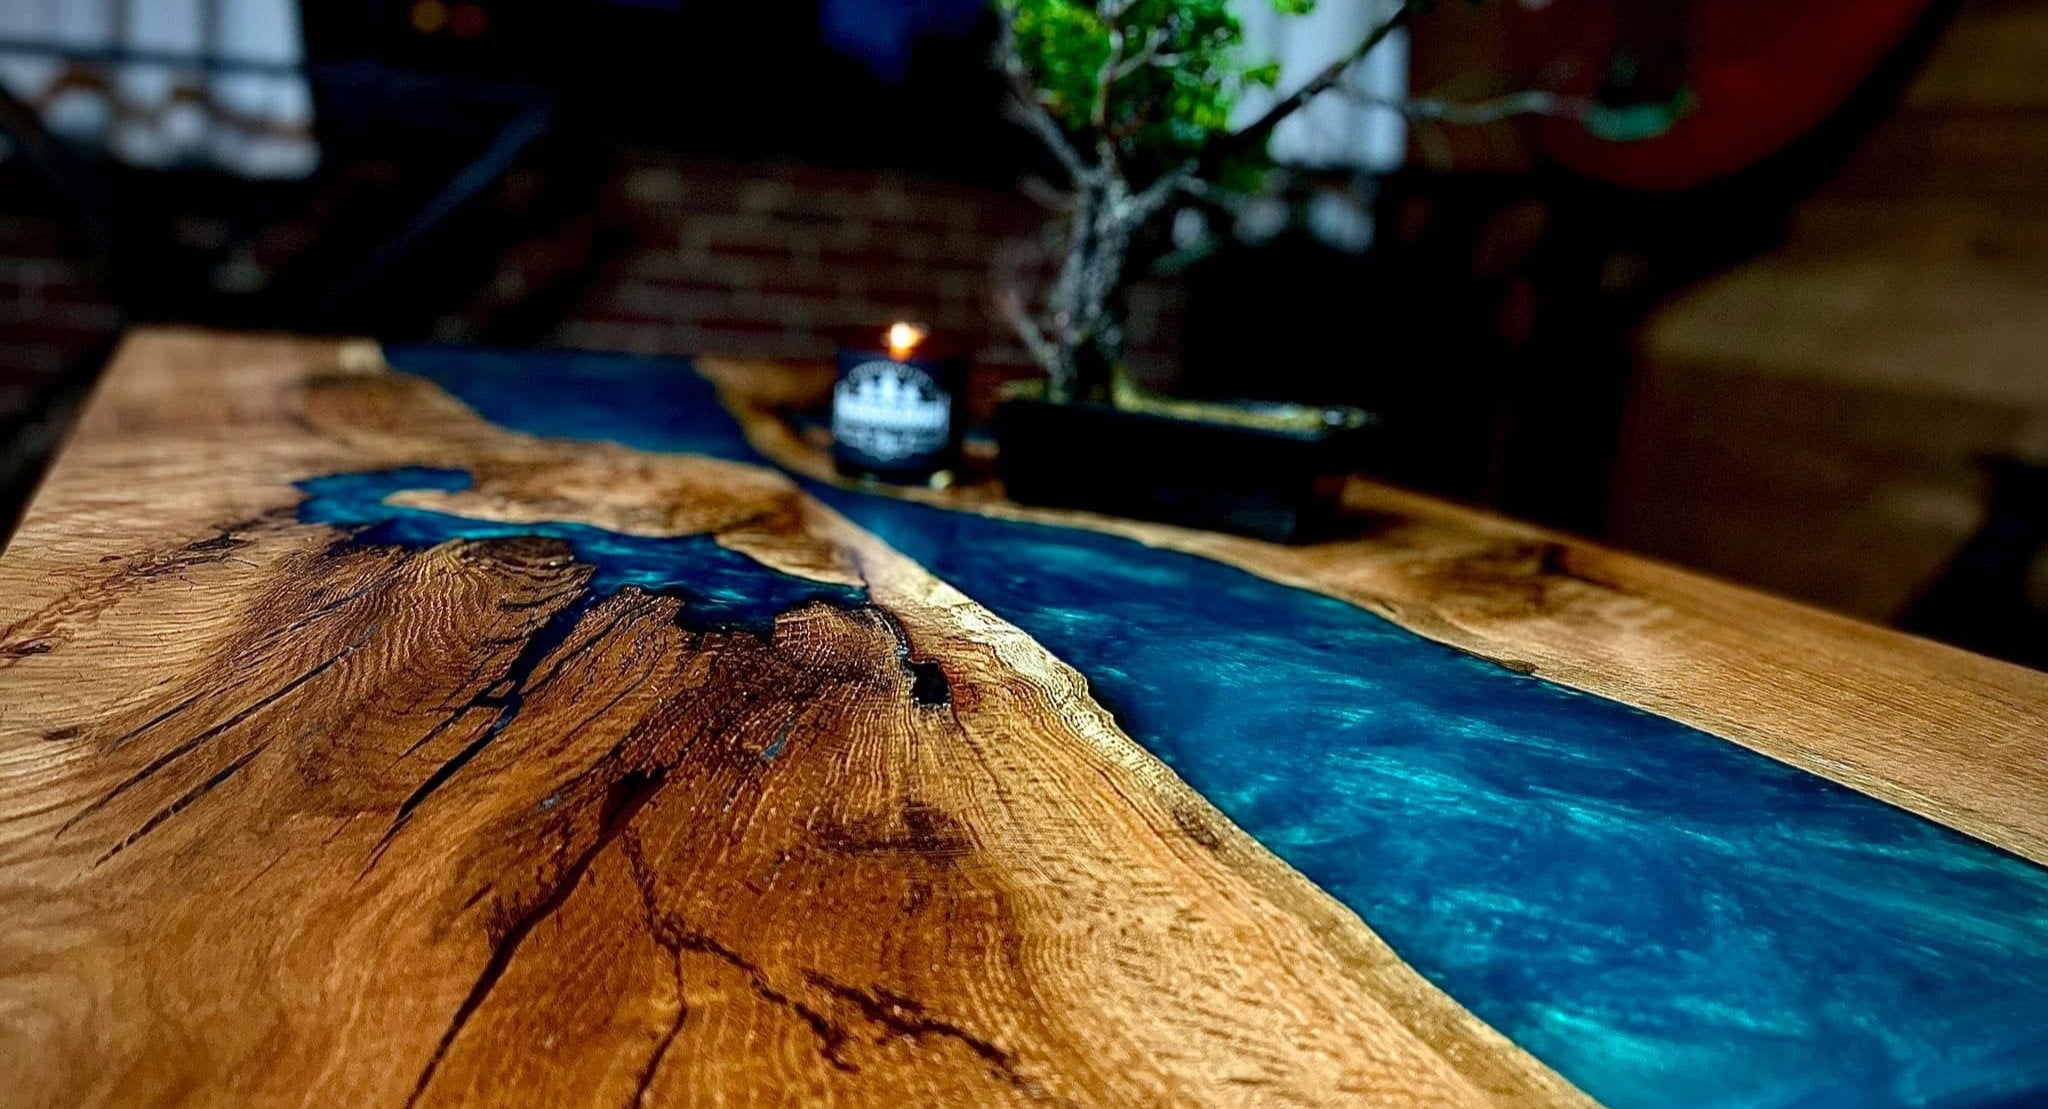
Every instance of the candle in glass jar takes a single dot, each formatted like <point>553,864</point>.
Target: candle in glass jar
<point>896,408</point>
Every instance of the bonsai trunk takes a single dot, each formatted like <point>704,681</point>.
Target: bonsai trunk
<point>1084,307</point>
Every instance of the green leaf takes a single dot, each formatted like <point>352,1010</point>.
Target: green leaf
<point>1155,115</point>
<point>1636,122</point>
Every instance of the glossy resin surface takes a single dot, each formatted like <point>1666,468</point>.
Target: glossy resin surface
<point>1664,917</point>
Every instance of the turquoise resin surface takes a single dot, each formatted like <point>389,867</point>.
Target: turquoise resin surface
<point>1664,917</point>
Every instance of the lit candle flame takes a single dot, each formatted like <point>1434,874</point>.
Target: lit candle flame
<point>904,339</point>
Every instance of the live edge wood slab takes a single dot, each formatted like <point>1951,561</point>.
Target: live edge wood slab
<point>1953,736</point>
<point>272,834</point>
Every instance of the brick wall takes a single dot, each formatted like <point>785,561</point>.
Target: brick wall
<point>55,308</point>
<point>769,260</point>
<point>762,260</point>
<point>57,318</point>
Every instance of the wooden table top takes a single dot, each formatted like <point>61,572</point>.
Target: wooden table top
<point>525,729</point>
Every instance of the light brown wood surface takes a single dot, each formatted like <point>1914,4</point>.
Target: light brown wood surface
<point>1955,737</point>
<point>260,845</point>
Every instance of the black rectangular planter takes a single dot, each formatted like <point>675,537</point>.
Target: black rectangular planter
<point>1281,484</point>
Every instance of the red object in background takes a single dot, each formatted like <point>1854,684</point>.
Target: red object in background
<point>1762,73</point>
<point>468,21</point>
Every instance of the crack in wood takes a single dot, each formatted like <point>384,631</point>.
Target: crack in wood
<point>677,938</point>
<point>521,679</point>
<point>93,597</point>
<point>624,800</point>
<point>644,1081</point>
<point>899,1016</point>
<point>161,761</point>
<point>928,685</point>
<point>184,801</point>
<point>905,1017</point>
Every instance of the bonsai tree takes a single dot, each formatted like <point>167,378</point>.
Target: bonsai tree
<point>1134,99</point>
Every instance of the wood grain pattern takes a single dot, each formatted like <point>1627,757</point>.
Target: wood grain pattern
<point>1953,736</point>
<point>287,818</point>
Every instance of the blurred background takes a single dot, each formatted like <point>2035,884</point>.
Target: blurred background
<point>1800,340</point>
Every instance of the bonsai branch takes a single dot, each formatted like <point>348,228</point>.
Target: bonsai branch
<point>1252,135</point>
<point>1010,302</point>
<point>1026,108</point>
<point>1479,112</point>
<point>1147,55</point>
<point>1105,78</point>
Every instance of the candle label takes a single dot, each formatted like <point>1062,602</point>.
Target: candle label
<point>892,415</point>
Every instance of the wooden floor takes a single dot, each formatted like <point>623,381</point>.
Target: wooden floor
<point>269,834</point>
<point>1812,421</point>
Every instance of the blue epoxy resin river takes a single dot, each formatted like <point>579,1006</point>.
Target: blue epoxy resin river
<point>1662,916</point>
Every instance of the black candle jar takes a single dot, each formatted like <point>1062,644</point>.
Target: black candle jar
<point>896,409</point>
